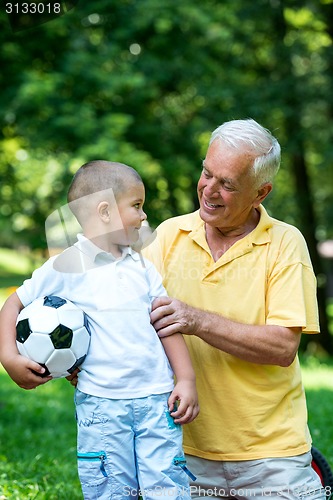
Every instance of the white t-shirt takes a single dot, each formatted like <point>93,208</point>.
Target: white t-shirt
<point>126,358</point>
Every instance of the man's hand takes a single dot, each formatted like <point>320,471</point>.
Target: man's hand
<point>170,316</point>
<point>21,370</point>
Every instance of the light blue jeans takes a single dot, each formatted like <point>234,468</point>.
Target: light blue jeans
<point>129,445</point>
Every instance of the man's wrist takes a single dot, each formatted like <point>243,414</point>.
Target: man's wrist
<point>195,321</point>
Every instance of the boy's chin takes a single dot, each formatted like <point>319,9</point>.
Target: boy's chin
<point>133,238</point>
<point>130,238</point>
<point>124,239</point>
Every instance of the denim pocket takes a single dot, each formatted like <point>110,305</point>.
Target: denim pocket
<point>92,456</point>
<point>93,476</point>
<point>79,397</point>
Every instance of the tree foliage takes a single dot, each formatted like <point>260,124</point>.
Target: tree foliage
<point>146,82</point>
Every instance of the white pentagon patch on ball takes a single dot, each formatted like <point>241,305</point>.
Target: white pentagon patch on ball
<point>53,332</point>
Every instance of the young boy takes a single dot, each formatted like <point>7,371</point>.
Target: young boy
<point>127,407</point>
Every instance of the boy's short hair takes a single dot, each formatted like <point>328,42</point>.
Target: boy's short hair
<point>98,176</point>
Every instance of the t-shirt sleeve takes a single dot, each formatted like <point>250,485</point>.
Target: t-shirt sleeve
<point>291,298</point>
<point>44,281</point>
<point>156,288</point>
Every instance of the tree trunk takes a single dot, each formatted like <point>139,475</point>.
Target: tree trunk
<point>304,199</point>
<point>308,227</point>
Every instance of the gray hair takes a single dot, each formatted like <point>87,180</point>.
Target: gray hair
<point>257,140</point>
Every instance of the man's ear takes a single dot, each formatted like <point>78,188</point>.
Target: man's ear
<point>103,210</point>
<point>262,193</point>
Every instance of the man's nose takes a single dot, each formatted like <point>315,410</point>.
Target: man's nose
<point>211,188</point>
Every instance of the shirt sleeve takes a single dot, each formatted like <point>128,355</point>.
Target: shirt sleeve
<point>44,281</point>
<point>291,298</point>
<point>156,288</point>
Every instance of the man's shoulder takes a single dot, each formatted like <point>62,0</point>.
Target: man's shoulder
<point>278,228</point>
<point>285,230</point>
<point>287,240</point>
<point>167,233</point>
<point>186,222</point>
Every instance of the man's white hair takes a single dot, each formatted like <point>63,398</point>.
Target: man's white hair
<point>250,136</point>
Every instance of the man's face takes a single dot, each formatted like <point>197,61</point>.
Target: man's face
<point>226,188</point>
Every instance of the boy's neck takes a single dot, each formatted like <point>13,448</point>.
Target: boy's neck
<point>105,245</point>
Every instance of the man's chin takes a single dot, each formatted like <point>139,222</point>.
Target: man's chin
<point>210,218</point>
<point>206,217</point>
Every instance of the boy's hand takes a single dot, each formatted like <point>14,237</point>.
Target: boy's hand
<point>73,377</point>
<point>185,399</point>
<point>21,369</point>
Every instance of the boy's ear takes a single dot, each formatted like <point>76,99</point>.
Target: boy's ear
<point>103,210</point>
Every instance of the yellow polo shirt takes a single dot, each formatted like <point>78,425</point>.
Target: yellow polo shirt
<point>248,411</point>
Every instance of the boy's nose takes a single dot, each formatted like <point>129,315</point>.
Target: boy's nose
<point>143,216</point>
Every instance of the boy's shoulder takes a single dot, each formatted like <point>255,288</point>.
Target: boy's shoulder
<point>69,261</point>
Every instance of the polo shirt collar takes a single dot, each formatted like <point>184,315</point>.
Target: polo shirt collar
<point>196,228</point>
<point>260,234</point>
<point>98,255</point>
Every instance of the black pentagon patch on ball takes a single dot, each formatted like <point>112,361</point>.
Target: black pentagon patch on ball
<point>23,330</point>
<point>54,301</point>
<point>62,337</point>
<point>45,374</point>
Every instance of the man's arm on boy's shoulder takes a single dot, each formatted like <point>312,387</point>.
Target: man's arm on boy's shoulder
<point>18,367</point>
<point>183,401</point>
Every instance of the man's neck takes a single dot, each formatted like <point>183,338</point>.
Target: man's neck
<point>220,239</point>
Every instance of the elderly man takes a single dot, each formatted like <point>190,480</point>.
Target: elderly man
<point>242,290</point>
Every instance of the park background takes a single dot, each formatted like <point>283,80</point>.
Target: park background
<point>145,83</point>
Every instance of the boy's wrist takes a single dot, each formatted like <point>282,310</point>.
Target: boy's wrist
<point>9,358</point>
<point>188,381</point>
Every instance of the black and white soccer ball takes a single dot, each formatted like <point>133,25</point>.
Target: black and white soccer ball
<point>53,332</point>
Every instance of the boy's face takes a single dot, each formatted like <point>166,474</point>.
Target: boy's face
<point>130,208</point>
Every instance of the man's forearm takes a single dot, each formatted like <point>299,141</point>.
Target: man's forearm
<point>264,344</point>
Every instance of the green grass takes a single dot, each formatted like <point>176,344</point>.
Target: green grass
<point>318,383</point>
<point>38,434</point>
<point>15,264</point>
<point>38,429</point>
<point>37,442</point>
<point>15,267</point>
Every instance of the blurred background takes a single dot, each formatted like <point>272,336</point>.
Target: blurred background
<point>145,83</point>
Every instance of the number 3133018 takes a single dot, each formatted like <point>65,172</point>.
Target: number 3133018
<point>33,8</point>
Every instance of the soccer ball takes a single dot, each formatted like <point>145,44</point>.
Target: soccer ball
<point>53,332</point>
